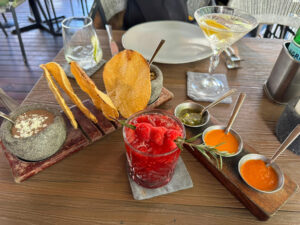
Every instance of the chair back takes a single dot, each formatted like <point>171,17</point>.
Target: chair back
<point>283,12</point>
<point>112,7</point>
<point>108,12</point>
<point>193,5</point>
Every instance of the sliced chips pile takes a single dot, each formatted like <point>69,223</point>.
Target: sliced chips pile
<point>127,82</point>
<point>58,96</point>
<point>61,78</point>
<point>100,100</point>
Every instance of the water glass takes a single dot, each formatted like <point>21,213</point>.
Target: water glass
<point>81,43</point>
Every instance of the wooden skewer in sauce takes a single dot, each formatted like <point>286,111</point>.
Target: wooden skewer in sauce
<point>260,176</point>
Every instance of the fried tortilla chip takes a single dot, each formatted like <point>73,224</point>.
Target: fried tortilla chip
<point>127,82</point>
<point>61,78</point>
<point>100,100</point>
<point>58,97</point>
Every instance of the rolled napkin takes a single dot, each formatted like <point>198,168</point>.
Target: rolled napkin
<point>288,120</point>
<point>193,79</point>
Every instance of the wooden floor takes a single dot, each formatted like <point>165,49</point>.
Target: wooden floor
<point>16,78</point>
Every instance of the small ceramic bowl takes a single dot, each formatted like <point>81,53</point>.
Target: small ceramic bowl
<point>233,132</point>
<point>156,84</point>
<point>194,106</point>
<point>274,166</point>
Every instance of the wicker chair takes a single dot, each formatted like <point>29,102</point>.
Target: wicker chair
<point>193,5</point>
<point>283,12</point>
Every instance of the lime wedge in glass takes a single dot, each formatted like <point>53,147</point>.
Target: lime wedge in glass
<point>95,44</point>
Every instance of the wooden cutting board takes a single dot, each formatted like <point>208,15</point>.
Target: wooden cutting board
<point>87,133</point>
<point>261,205</point>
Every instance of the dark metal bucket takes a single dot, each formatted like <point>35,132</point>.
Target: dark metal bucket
<point>284,82</point>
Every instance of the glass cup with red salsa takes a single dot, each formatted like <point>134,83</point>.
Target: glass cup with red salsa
<point>150,148</point>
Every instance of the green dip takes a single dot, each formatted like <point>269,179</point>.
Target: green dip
<point>191,117</point>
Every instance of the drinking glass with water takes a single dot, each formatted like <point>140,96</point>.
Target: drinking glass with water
<point>81,43</point>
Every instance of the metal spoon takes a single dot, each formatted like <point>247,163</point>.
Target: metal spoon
<point>156,51</point>
<point>228,93</point>
<point>292,136</point>
<point>2,114</point>
<point>235,111</point>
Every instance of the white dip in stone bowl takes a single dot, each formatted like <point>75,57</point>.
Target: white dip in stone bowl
<point>32,138</point>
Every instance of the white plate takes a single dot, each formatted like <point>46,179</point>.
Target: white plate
<point>185,42</point>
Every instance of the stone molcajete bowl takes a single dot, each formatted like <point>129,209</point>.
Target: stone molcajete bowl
<point>156,84</point>
<point>39,146</point>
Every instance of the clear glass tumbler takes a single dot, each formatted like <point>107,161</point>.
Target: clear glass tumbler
<point>151,165</point>
<point>81,43</point>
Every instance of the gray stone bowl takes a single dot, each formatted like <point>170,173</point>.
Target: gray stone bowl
<point>39,146</point>
<point>156,85</point>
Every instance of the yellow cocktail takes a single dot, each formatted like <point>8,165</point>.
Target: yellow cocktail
<point>222,27</point>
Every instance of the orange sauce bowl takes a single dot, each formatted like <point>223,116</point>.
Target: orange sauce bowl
<point>275,168</point>
<point>232,142</point>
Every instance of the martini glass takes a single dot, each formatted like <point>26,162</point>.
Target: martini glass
<point>222,26</point>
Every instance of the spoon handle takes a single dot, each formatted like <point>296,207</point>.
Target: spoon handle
<point>228,93</point>
<point>292,136</point>
<point>235,111</point>
<point>6,117</point>
<point>156,51</point>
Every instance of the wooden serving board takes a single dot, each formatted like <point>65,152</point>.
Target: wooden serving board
<point>87,133</point>
<point>261,205</point>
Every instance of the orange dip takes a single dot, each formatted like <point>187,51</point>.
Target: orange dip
<point>258,175</point>
<point>229,142</point>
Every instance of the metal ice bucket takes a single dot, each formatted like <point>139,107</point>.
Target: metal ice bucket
<point>284,82</point>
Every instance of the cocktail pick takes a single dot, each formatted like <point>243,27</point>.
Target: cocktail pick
<point>2,114</point>
<point>235,111</point>
<point>156,51</point>
<point>292,136</point>
<point>228,93</point>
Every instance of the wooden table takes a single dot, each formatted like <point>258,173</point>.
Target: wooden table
<point>91,186</point>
